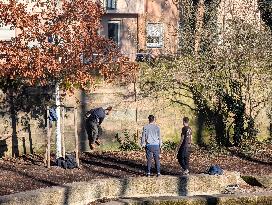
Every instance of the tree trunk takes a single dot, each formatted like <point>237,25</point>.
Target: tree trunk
<point>13,114</point>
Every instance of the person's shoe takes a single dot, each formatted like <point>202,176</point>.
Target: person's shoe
<point>159,174</point>
<point>186,172</point>
<point>148,174</point>
<point>98,142</point>
<point>92,146</point>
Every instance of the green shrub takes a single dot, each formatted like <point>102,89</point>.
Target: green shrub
<point>127,141</point>
<point>169,145</point>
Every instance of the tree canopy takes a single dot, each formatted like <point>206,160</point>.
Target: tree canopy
<point>58,43</point>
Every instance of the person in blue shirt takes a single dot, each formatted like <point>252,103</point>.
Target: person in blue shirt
<point>94,119</point>
<point>152,142</point>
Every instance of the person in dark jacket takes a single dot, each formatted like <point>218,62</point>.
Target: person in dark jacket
<point>184,147</point>
<point>94,118</point>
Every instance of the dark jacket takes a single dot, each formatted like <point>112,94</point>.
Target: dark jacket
<point>96,115</point>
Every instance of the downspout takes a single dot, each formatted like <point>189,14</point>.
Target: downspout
<point>145,21</point>
<point>137,46</point>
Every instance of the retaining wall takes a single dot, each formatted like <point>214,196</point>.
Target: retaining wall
<point>264,198</point>
<point>82,193</point>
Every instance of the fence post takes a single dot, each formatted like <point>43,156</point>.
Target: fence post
<point>76,136</point>
<point>48,138</point>
<point>62,132</point>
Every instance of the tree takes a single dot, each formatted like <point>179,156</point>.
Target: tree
<point>265,7</point>
<point>58,44</point>
<point>227,86</point>
<point>67,47</point>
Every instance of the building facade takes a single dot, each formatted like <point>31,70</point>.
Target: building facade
<point>142,26</point>
<point>136,26</point>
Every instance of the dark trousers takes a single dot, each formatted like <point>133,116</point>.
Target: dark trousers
<point>153,151</point>
<point>183,157</point>
<point>94,131</point>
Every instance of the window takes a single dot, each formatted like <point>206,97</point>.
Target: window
<point>6,33</point>
<point>111,4</point>
<point>114,31</point>
<point>154,33</point>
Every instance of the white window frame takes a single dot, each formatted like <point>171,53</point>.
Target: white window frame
<point>119,29</point>
<point>6,33</point>
<point>155,32</point>
<point>112,4</point>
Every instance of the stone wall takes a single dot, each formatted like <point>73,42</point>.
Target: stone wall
<point>25,132</point>
<point>130,113</point>
<point>85,192</point>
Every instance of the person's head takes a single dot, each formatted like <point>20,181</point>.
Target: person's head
<point>108,110</point>
<point>151,118</point>
<point>185,121</point>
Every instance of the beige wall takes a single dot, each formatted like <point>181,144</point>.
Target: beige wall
<point>128,32</point>
<point>129,113</point>
<point>128,6</point>
<point>134,16</point>
<point>165,12</point>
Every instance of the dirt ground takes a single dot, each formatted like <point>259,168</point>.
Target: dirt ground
<point>28,172</point>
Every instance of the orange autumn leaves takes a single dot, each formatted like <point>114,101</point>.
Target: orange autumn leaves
<point>59,43</point>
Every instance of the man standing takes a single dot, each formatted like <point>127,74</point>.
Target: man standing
<point>94,118</point>
<point>184,147</point>
<point>151,141</point>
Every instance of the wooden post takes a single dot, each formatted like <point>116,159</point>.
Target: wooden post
<point>76,136</point>
<point>136,112</point>
<point>48,139</point>
<point>62,132</point>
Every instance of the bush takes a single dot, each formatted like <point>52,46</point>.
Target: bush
<point>169,145</point>
<point>127,141</point>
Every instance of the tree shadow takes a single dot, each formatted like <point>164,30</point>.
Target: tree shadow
<point>23,105</point>
<point>265,7</point>
<point>207,117</point>
<point>130,166</point>
<point>216,117</point>
<point>244,156</point>
<point>83,134</point>
<point>45,183</point>
<point>183,186</point>
<point>35,179</point>
<point>3,147</point>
